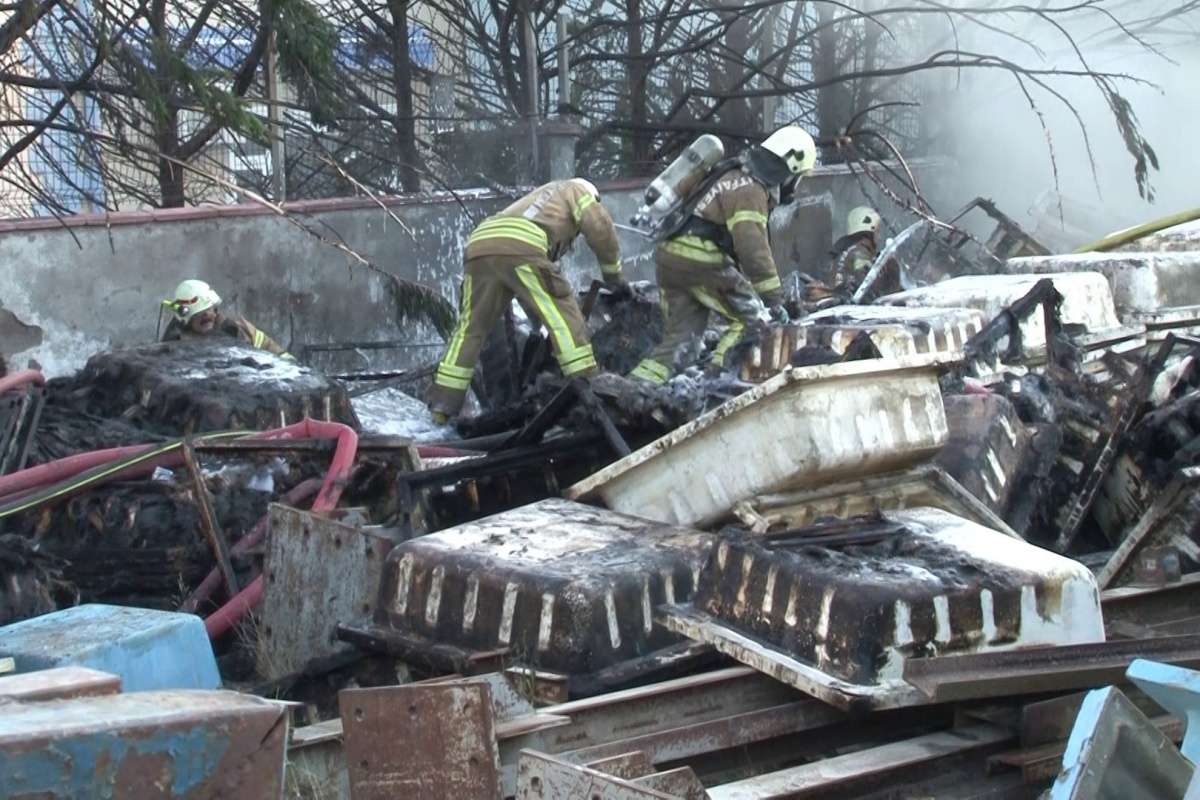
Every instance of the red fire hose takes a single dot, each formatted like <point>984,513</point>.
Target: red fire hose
<point>64,468</point>
<point>16,380</point>
<point>143,459</point>
<point>297,494</point>
<point>227,615</point>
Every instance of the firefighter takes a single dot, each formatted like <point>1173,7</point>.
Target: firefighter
<point>854,253</point>
<point>196,314</point>
<point>721,260</point>
<point>514,254</point>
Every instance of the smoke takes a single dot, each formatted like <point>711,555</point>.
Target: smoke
<point>1009,152</point>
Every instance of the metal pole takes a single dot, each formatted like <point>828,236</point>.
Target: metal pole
<point>275,116</point>
<point>531,77</point>
<point>564,63</point>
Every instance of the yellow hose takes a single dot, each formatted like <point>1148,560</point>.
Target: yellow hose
<point>1115,240</point>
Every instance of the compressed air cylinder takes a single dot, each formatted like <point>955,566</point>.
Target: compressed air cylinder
<point>671,188</point>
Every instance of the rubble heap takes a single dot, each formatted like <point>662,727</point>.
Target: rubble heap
<point>885,555</point>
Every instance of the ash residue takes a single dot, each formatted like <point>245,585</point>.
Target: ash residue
<point>902,555</point>
<point>624,330</point>
<point>202,386</point>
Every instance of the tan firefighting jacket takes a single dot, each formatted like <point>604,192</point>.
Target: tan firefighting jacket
<point>739,204</point>
<point>546,222</point>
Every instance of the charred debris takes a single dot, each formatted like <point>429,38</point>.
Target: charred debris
<point>884,553</point>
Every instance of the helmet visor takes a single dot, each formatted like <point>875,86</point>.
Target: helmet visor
<point>768,168</point>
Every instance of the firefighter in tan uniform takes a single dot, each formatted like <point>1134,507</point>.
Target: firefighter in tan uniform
<point>513,254</point>
<point>196,315</point>
<point>721,260</point>
<point>855,252</point>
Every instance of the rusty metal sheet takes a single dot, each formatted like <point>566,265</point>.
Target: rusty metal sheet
<point>511,693</point>
<point>420,741</point>
<point>319,573</point>
<point>58,684</point>
<point>543,777</point>
<point>195,745</point>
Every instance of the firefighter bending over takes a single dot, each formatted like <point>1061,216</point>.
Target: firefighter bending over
<point>720,260</point>
<point>196,315</point>
<point>514,254</point>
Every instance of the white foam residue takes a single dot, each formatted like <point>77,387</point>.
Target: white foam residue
<point>391,412</point>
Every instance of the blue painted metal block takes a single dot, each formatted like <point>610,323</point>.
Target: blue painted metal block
<point>148,649</point>
<point>1177,690</point>
<point>196,745</point>
<point>1116,753</point>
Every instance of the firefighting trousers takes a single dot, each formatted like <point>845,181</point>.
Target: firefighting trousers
<point>695,280</point>
<point>489,285</point>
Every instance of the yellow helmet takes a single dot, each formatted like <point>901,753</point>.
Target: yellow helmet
<point>192,297</point>
<point>863,219</point>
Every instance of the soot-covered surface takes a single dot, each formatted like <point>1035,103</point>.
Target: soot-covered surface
<point>904,584</point>
<point>567,587</point>
<point>191,387</point>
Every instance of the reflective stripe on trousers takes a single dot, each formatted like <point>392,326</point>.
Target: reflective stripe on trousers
<point>571,357</point>
<point>449,374</point>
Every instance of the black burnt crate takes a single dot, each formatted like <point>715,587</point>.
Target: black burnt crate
<point>563,586</point>
<point>856,598</point>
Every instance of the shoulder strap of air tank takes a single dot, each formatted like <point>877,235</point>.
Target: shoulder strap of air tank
<point>684,214</point>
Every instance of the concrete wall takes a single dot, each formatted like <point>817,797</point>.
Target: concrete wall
<point>72,288</point>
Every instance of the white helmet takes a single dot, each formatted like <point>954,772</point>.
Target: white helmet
<point>587,186</point>
<point>794,145</point>
<point>192,297</point>
<point>863,219</point>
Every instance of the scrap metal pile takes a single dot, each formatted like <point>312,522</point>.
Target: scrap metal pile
<point>886,556</point>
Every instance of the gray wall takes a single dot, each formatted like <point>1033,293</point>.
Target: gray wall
<point>70,289</point>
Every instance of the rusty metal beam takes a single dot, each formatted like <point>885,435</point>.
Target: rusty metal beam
<point>737,730</point>
<point>821,777</point>
<point>646,710</point>
<point>1152,605</point>
<point>420,650</point>
<point>1045,669</point>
